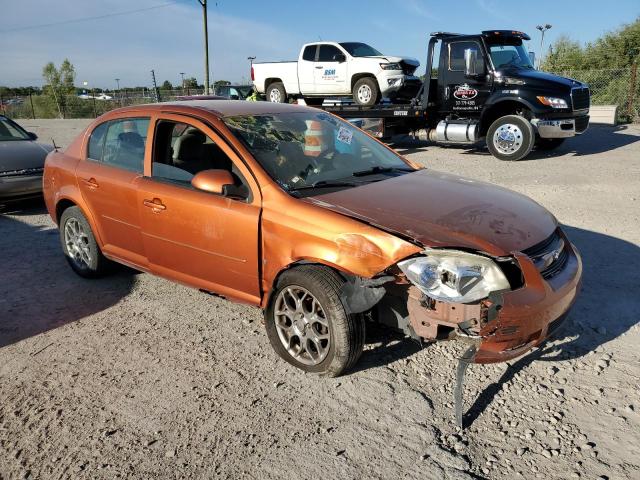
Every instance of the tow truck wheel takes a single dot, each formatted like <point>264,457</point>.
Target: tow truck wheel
<point>309,326</point>
<point>276,93</point>
<point>510,138</point>
<point>365,91</point>
<point>549,143</point>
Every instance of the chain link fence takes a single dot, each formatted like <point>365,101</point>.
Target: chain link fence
<point>83,106</point>
<point>619,86</point>
<point>614,86</point>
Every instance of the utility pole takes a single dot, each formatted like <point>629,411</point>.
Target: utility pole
<point>155,86</point>
<point>119,96</point>
<point>206,46</point>
<point>542,28</point>
<point>182,75</point>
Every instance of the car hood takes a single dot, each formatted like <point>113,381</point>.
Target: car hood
<point>22,154</point>
<point>395,59</point>
<point>441,210</point>
<point>536,78</point>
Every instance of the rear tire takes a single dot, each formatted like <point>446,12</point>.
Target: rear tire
<point>548,143</point>
<point>276,93</point>
<point>79,245</point>
<point>315,333</point>
<point>510,138</point>
<point>365,92</point>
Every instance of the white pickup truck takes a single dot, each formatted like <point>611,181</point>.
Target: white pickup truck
<point>332,69</point>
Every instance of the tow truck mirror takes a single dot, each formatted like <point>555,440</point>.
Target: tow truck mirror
<point>470,62</point>
<point>532,58</point>
<point>339,57</point>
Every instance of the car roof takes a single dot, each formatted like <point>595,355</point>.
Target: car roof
<point>220,108</point>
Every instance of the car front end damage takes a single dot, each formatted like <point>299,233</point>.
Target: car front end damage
<point>536,289</point>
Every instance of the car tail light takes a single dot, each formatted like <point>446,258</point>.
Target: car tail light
<point>252,76</point>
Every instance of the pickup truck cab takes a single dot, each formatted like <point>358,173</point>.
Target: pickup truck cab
<point>338,69</point>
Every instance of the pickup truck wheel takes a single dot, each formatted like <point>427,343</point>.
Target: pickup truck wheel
<point>365,91</point>
<point>276,93</point>
<point>308,325</point>
<point>79,245</point>
<point>549,143</point>
<point>510,138</point>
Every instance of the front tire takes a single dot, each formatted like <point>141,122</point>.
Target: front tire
<point>365,92</point>
<point>309,326</point>
<point>510,138</point>
<point>276,93</point>
<point>79,245</point>
<point>548,143</point>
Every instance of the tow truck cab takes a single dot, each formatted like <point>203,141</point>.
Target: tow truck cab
<point>484,81</point>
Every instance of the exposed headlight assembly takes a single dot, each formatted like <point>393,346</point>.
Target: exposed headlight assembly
<point>390,66</point>
<point>454,276</point>
<point>553,102</point>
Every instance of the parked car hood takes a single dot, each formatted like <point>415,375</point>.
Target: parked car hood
<point>21,154</point>
<point>437,210</point>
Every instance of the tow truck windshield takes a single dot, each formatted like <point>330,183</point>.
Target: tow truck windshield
<point>511,54</point>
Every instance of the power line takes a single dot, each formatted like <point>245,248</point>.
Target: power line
<point>84,19</point>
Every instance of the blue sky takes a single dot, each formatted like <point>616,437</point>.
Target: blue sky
<point>169,39</point>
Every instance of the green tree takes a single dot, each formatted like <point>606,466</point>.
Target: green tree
<point>221,83</point>
<point>564,54</point>
<point>190,82</point>
<point>166,85</point>
<point>59,83</point>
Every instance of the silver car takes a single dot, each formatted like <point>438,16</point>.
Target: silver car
<point>21,162</point>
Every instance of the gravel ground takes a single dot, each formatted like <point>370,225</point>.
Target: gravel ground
<point>133,376</point>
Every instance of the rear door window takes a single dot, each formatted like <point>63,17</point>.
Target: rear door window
<point>96,141</point>
<point>309,53</point>
<point>125,143</point>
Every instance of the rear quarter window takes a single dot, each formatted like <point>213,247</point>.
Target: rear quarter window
<point>96,141</point>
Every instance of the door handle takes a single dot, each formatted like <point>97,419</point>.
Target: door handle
<point>319,67</point>
<point>155,204</point>
<point>91,183</point>
<point>446,92</point>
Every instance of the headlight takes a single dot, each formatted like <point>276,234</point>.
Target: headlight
<point>454,276</point>
<point>553,102</point>
<point>390,66</point>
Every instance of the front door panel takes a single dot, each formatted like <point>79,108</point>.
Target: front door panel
<point>460,94</point>
<point>201,239</point>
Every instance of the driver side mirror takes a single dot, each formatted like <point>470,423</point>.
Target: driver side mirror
<point>470,62</point>
<point>212,181</point>
<point>339,57</point>
<point>32,135</point>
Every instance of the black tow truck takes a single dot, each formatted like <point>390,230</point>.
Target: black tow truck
<point>486,88</point>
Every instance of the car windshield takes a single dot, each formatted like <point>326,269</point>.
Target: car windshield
<point>357,49</point>
<point>11,131</point>
<point>510,54</point>
<point>309,151</point>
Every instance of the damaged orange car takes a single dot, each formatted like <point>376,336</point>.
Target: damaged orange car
<point>295,211</point>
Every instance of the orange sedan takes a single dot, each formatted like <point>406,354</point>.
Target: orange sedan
<point>295,211</point>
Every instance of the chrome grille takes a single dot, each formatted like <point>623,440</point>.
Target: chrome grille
<point>580,98</point>
<point>549,256</point>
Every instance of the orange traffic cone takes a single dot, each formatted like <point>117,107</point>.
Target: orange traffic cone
<point>313,139</point>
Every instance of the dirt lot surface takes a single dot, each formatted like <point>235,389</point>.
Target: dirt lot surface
<point>132,376</point>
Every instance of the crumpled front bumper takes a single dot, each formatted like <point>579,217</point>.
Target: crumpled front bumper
<point>508,324</point>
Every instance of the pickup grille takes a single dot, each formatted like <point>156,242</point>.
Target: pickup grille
<point>549,256</point>
<point>23,171</point>
<point>407,69</point>
<point>580,98</point>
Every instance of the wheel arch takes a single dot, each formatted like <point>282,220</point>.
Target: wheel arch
<point>358,76</point>
<point>500,108</point>
<point>270,80</point>
<point>65,202</point>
